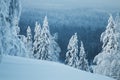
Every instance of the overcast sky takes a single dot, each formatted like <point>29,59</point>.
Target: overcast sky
<point>71,3</point>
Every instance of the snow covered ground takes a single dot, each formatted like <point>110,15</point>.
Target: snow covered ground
<point>17,68</point>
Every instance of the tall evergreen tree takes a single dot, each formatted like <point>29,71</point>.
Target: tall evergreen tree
<point>82,62</point>
<point>37,38</point>
<point>45,41</point>
<point>107,62</point>
<point>29,43</point>
<point>72,53</point>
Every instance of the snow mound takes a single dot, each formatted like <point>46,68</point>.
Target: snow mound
<point>17,68</point>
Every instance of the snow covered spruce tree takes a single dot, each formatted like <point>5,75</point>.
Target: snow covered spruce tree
<point>108,61</point>
<point>29,43</point>
<point>82,61</point>
<point>43,52</point>
<point>72,53</point>
<point>9,42</point>
<point>37,37</point>
<point>48,49</point>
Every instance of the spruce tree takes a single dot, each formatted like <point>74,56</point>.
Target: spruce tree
<point>72,53</point>
<point>37,38</point>
<point>43,47</point>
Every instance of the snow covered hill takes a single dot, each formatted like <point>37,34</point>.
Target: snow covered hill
<point>17,68</point>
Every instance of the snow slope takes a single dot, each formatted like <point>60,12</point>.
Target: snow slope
<point>17,68</point>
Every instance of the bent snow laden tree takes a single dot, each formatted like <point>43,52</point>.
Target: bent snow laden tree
<point>10,11</point>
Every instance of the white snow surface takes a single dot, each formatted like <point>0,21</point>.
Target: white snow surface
<point>17,68</point>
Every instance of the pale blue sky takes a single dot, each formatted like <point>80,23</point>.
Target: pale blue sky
<point>71,3</point>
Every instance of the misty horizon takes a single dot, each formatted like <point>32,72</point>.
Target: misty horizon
<point>71,3</point>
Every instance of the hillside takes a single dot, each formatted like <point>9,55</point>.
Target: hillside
<point>17,68</point>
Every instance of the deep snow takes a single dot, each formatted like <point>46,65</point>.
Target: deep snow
<point>17,68</point>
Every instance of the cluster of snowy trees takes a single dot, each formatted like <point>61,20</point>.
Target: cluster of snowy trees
<point>12,43</point>
<point>74,57</point>
<point>108,60</point>
<point>44,46</point>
